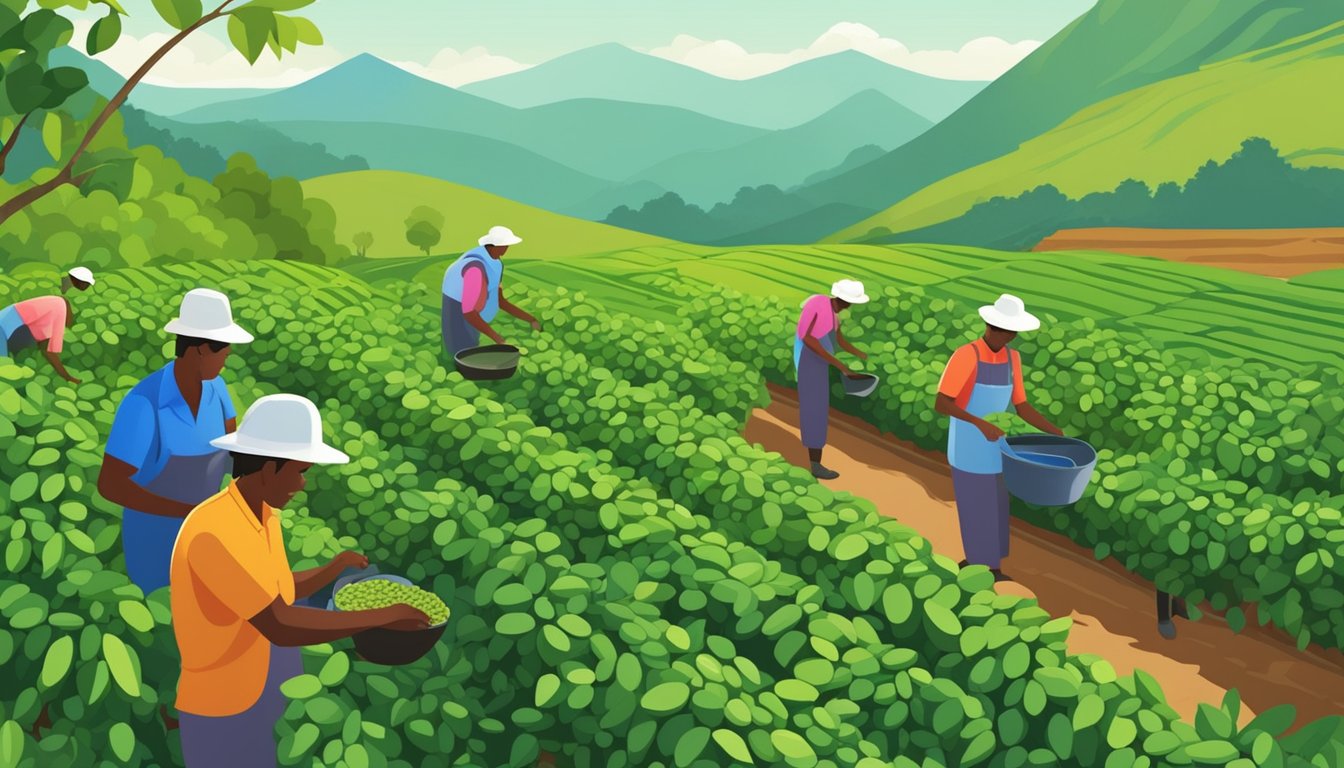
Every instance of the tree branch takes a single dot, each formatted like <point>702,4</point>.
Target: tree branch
<point>13,139</point>
<point>66,174</point>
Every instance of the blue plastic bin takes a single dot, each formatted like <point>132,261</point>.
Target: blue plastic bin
<point>1047,470</point>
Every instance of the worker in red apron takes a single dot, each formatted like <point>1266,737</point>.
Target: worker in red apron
<point>982,378</point>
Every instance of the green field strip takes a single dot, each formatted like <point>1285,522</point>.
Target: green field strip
<point>1061,295</point>
<point>924,272</point>
<point>1147,295</point>
<point>748,280</point>
<point>1257,317</point>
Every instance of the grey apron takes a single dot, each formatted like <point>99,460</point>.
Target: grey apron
<point>247,738</point>
<point>814,393</point>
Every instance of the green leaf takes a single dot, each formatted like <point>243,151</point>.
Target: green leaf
<point>791,745</point>
<point>118,658</point>
<point>122,740</point>
<point>1121,733</point>
<point>57,662</point>
<point>103,34</point>
<point>850,546</point>
<point>179,14</point>
<point>733,745</point>
<point>897,603</point>
<point>1089,712</point>
<point>667,697</point>
<point>335,669</point>
<point>249,29</point>
<point>307,31</point>
<point>136,615</point>
<point>690,745</point>
<point>1214,751</point>
<point>279,5</point>
<point>11,743</point>
<point>547,686</point>
<point>301,687</point>
<point>981,746</point>
<point>944,619</point>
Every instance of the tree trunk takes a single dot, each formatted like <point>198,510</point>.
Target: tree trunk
<point>33,194</point>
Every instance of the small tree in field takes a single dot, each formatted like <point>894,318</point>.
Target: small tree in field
<point>363,241</point>
<point>252,28</point>
<point>424,228</point>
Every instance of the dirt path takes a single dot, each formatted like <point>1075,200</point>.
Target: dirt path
<point>1113,612</point>
<point>1273,252</point>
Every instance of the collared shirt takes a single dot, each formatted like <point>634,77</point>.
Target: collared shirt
<point>227,567</point>
<point>959,376</point>
<point>45,318</point>
<point>154,423</point>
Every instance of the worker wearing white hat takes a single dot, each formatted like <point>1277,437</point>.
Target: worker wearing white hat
<point>814,347</point>
<point>982,378</point>
<point>44,319</point>
<point>233,592</point>
<point>473,296</point>
<point>159,462</point>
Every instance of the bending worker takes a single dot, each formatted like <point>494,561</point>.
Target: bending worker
<point>159,463</point>
<point>813,355</point>
<point>985,377</point>
<point>233,592</point>
<point>44,318</point>
<point>472,293</point>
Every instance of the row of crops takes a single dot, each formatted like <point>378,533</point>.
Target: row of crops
<point>1219,479</point>
<point>631,583</point>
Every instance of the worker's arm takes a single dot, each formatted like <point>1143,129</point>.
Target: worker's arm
<point>290,626</point>
<point>310,581</point>
<point>516,311</point>
<point>947,405</point>
<point>473,313</point>
<point>55,359</point>
<point>230,426</point>
<point>814,344</point>
<point>1033,417</point>
<point>848,347</point>
<point>115,485</point>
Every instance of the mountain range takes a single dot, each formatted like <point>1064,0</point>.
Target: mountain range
<point>781,99</point>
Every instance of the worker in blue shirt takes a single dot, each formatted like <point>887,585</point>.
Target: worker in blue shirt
<point>159,463</point>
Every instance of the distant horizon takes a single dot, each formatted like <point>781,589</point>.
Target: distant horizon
<point>401,66</point>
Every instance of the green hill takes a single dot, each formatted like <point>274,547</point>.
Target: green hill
<point>379,202</point>
<point>781,99</point>
<point>477,162</point>
<point>1162,132</point>
<point>1118,46</point>
<point>785,158</point>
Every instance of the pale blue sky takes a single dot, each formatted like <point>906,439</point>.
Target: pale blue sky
<point>524,32</point>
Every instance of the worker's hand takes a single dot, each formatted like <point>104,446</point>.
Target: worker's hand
<point>73,380</point>
<point>860,353</point>
<point>991,432</point>
<point>350,559</point>
<point>536,325</point>
<point>402,618</point>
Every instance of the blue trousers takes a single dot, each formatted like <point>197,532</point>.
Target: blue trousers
<point>982,510</point>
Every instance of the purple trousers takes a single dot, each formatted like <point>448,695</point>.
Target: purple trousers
<point>982,510</point>
<point>814,398</point>
<point>247,738</point>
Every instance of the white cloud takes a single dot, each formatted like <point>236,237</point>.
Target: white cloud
<point>983,58</point>
<point>202,60</point>
<point>458,68</point>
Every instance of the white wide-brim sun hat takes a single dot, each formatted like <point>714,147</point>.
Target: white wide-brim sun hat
<point>82,274</point>
<point>1010,314</point>
<point>500,236</point>
<point>282,427</point>
<point>206,314</point>
<point>850,291</point>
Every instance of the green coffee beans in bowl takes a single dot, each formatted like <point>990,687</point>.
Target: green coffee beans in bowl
<point>389,646</point>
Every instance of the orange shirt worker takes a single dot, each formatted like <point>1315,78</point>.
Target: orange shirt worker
<point>233,591</point>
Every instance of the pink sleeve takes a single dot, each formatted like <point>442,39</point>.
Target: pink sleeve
<point>473,285</point>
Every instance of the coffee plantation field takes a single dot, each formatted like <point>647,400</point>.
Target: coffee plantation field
<point>630,582</point>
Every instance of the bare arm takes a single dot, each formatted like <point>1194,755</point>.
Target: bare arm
<point>55,359</point>
<point>849,347</point>
<point>1033,417</point>
<point>947,405</point>
<point>516,311</point>
<point>309,581</point>
<point>115,485</point>
<point>290,626</point>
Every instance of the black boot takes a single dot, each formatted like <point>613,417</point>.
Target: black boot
<point>822,473</point>
<point>1165,626</point>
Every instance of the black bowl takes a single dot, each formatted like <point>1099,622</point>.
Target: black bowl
<point>394,648</point>
<point>475,371</point>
